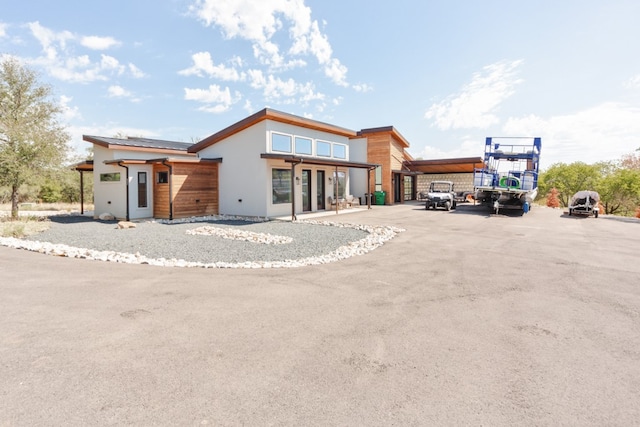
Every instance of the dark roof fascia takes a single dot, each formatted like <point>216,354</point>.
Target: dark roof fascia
<point>385,129</point>
<point>84,166</point>
<point>270,114</point>
<point>407,172</point>
<point>452,161</point>
<point>289,158</point>
<point>134,142</point>
<point>163,160</point>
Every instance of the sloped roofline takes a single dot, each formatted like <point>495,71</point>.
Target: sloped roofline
<point>275,115</point>
<point>385,129</point>
<point>139,144</point>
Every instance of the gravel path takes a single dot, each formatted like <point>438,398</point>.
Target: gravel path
<point>310,241</point>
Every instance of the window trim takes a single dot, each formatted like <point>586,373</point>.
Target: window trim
<point>273,149</point>
<point>295,144</point>
<point>274,200</point>
<point>328,143</point>
<point>333,151</point>
<point>114,174</point>
<point>163,173</point>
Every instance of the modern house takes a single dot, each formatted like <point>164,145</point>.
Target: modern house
<point>269,164</point>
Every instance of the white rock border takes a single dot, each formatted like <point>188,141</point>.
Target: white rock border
<point>377,236</point>
<point>242,235</point>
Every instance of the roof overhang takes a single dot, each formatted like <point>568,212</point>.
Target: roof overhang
<point>289,158</point>
<point>385,130</point>
<point>457,165</point>
<point>139,144</point>
<point>85,166</point>
<point>269,114</point>
<point>161,160</point>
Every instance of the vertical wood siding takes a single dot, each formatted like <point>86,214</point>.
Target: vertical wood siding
<point>195,191</point>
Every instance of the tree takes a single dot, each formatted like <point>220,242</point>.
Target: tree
<point>620,191</point>
<point>569,179</point>
<point>631,160</point>
<point>31,140</point>
<point>552,199</point>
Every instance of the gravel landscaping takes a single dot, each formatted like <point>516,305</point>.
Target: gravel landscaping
<point>213,242</point>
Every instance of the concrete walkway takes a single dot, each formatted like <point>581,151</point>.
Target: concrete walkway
<point>463,319</point>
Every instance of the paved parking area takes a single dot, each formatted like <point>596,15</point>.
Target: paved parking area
<point>464,318</point>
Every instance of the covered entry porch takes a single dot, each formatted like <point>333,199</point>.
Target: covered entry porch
<point>331,166</point>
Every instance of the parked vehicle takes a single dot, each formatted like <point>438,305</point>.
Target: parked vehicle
<point>509,178</point>
<point>585,203</point>
<point>441,195</point>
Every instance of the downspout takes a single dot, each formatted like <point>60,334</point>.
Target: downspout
<point>369,186</point>
<point>293,189</point>
<point>335,190</point>
<point>127,168</point>
<point>164,162</point>
<point>81,192</point>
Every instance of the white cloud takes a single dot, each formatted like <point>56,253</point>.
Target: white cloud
<point>110,63</point>
<point>604,132</point>
<point>136,72</point>
<point>116,91</point>
<point>470,147</point>
<point>475,105</point>
<point>633,82</point>
<point>98,43</point>
<point>3,29</point>
<point>221,98</point>
<point>275,89</point>
<point>362,87</point>
<point>49,39</point>
<point>68,112</point>
<point>60,61</point>
<point>203,64</point>
<point>259,22</point>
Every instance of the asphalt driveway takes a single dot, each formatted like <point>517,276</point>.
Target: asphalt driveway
<point>464,318</point>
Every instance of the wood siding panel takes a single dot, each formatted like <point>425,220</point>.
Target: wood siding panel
<point>160,194</point>
<point>195,190</point>
<point>379,151</point>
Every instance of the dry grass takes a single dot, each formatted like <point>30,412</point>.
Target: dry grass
<point>25,226</point>
<point>30,222</point>
<point>36,207</point>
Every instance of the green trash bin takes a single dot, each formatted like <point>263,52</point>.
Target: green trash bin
<point>379,196</point>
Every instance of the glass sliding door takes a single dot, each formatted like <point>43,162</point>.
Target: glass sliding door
<point>320,191</point>
<point>306,190</point>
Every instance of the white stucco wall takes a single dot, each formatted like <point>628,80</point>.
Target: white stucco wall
<point>358,177</point>
<point>110,197</point>
<point>244,175</point>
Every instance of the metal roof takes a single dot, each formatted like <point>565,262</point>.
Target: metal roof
<point>138,143</point>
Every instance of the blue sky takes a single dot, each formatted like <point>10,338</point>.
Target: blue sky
<point>445,74</point>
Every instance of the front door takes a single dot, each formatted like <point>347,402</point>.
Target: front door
<point>320,192</point>
<point>397,188</point>
<point>140,192</point>
<point>306,190</point>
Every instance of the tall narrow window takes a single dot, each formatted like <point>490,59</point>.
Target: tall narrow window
<point>142,189</point>
<point>341,180</point>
